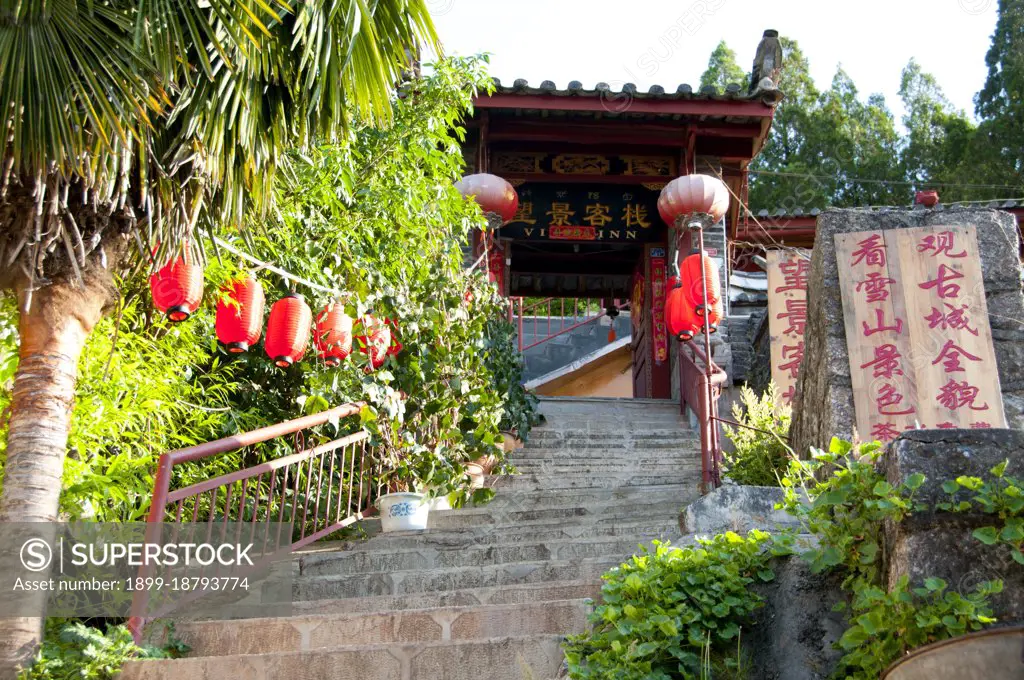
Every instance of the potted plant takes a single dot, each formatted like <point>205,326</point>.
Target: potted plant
<point>403,511</point>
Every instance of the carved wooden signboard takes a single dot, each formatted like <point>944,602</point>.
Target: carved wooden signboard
<point>578,212</point>
<point>920,345</point>
<point>787,317</point>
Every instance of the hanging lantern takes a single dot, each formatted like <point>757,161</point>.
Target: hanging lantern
<point>288,330</point>
<point>496,197</point>
<point>240,315</point>
<point>696,201</point>
<point>375,341</point>
<point>177,287</point>
<point>333,336</point>
<point>696,269</point>
<point>680,316</point>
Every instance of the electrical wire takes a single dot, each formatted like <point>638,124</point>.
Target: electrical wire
<point>864,180</point>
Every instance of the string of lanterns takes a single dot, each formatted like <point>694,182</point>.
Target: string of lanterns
<point>177,290</point>
<point>694,300</point>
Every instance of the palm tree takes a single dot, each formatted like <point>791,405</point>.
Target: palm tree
<point>129,128</point>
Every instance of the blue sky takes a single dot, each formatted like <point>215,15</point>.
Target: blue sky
<point>668,41</point>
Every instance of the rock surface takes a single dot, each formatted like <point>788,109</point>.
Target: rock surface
<point>936,543</point>
<point>736,508</point>
<point>793,635</point>
<point>824,400</point>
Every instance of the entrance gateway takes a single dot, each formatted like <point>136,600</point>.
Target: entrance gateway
<point>589,165</point>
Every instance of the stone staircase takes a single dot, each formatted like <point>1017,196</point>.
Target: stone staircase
<point>487,592</point>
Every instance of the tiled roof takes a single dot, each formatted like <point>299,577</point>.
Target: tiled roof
<point>765,92</point>
<point>780,213</point>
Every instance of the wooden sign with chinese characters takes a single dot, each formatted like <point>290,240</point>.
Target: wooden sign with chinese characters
<point>957,376</point>
<point>659,279</point>
<point>921,352</point>
<point>787,317</point>
<point>574,212</point>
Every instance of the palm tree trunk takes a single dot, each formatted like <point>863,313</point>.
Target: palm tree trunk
<point>52,333</point>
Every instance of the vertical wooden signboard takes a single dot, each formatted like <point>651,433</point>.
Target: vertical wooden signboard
<point>957,376</point>
<point>787,317</point>
<point>920,346</point>
<point>659,277</point>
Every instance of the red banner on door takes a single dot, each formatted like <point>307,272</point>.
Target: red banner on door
<point>659,272</point>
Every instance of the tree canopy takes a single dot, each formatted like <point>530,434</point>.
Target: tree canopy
<point>838,148</point>
<point>723,69</point>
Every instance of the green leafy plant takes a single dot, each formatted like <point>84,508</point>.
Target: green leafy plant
<point>1002,496</point>
<point>761,455</point>
<point>842,497</point>
<point>75,651</point>
<point>674,612</point>
<point>887,625</point>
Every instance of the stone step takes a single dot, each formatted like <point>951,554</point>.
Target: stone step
<point>524,593</point>
<point>552,498</point>
<point>599,467</point>
<point>387,559</point>
<point>616,431</point>
<point>538,482</point>
<point>596,407</point>
<point>433,580</point>
<point>512,519</point>
<point>598,448</point>
<point>536,657</point>
<point>554,529</point>
<point>327,631</point>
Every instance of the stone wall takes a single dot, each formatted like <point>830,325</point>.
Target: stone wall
<point>824,399</point>
<point>934,543</point>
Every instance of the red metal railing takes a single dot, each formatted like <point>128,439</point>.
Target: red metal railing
<point>552,317</point>
<point>315,491</point>
<point>702,398</point>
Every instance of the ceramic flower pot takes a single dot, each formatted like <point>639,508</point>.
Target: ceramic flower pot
<point>403,512</point>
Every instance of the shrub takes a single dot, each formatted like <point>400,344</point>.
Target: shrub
<point>74,651</point>
<point>667,611</point>
<point>842,497</point>
<point>759,458</point>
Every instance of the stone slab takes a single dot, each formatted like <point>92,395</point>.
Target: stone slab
<point>939,544</point>
<point>824,401</point>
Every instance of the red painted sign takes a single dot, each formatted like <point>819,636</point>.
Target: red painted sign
<point>659,277</point>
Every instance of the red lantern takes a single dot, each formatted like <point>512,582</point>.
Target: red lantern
<point>333,337</point>
<point>494,195</point>
<point>240,314</point>
<point>288,330</point>
<point>691,273</point>
<point>376,340</point>
<point>177,287</point>
<point>680,316</point>
<point>698,199</point>
<point>928,199</point>
<point>395,347</point>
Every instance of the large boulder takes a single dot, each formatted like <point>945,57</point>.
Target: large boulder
<point>824,398</point>
<point>935,543</point>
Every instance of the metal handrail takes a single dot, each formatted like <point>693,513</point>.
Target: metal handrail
<point>702,399</point>
<point>555,324</point>
<point>342,507</point>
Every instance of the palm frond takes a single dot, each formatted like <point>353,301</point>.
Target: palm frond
<point>169,114</point>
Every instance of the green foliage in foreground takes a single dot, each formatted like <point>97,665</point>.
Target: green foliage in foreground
<point>679,612</point>
<point>74,651</point>
<point>759,457</point>
<point>666,612</point>
<point>846,510</point>
<point>375,217</point>
<point>1001,496</point>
